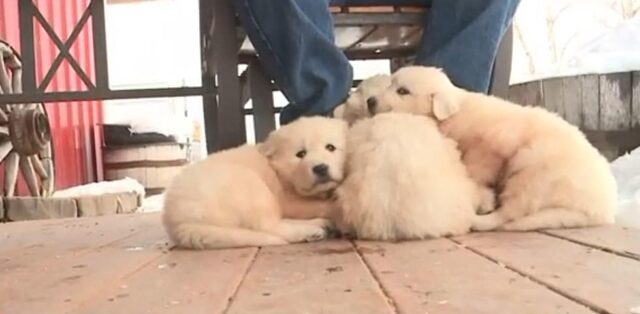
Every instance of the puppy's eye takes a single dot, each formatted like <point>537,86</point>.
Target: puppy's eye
<point>402,91</point>
<point>330,147</point>
<point>301,154</point>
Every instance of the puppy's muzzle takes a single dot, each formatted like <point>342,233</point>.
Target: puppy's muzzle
<point>372,105</point>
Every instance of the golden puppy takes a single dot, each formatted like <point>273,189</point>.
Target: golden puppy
<point>361,102</point>
<point>405,180</point>
<point>247,196</point>
<point>547,174</point>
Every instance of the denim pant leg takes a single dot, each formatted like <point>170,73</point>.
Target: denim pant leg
<point>295,42</point>
<point>462,37</point>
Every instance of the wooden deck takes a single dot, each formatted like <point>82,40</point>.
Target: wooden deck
<point>124,264</point>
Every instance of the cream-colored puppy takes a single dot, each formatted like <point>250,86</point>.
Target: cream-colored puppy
<point>361,103</point>
<point>405,180</point>
<point>547,174</point>
<point>247,196</point>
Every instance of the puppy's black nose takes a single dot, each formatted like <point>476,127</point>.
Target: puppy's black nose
<point>372,102</point>
<point>321,170</point>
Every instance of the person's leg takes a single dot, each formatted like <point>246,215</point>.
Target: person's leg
<point>462,37</point>
<point>294,40</point>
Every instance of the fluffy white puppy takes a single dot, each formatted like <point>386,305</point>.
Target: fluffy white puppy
<point>247,196</point>
<point>546,172</point>
<point>405,180</point>
<point>361,103</point>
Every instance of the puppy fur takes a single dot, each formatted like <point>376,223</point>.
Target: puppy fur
<point>405,180</point>
<point>546,172</point>
<point>261,195</point>
<point>356,107</point>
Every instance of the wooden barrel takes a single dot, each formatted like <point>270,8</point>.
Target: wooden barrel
<point>153,165</point>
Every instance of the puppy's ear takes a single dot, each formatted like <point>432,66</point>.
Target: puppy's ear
<point>343,113</point>
<point>267,148</point>
<point>445,105</point>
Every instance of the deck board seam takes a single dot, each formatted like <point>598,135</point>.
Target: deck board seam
<point>237,287</point>
<point>625,254</point>
<point>388,299</point>
<point>592,307</point>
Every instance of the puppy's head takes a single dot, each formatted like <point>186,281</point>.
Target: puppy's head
<point>421,90</point>
<point>309,154</point>
<point>362,102</point>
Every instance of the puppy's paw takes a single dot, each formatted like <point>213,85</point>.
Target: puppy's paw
<point>338,233</point>
<point>487,222</point>
<point>321,222</point>
<point>330,228</point>
<point>483,210</point>
<point>316,235</point>
<point>302,231</point>
<point>487,200</point>
<point>273,241</point>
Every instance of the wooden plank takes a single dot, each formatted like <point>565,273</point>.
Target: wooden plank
<point>527,94</point>
<point>179,282</point>
<point>44,238</point>
<point>438,276</point>
<point>635,98</point>
<point>553,96</point>
<point>56,285</point>
<point>107,204</point>
<point>605,282</point>
<point>35,208</point>
<point>323,277</point>
<point>38,246</point>
<point>615,101</point>
<point>97,205</point>
<point>618,240</point>
<point>572,95</point>
<point>590,101</point>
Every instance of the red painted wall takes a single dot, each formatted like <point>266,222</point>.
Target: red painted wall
<point>76,137</point>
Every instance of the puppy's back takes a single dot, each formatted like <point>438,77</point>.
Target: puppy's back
<point>405,180</point>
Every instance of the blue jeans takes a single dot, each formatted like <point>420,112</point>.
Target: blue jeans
<point>295,42</point>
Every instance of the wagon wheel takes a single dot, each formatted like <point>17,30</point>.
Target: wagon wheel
<point>25,136</point>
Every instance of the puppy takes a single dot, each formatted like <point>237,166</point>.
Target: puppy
<point>405,180</point>
<point>363,103</point>
<point>547,174</point>
<point>250,196</point>
<point>360,103</point>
